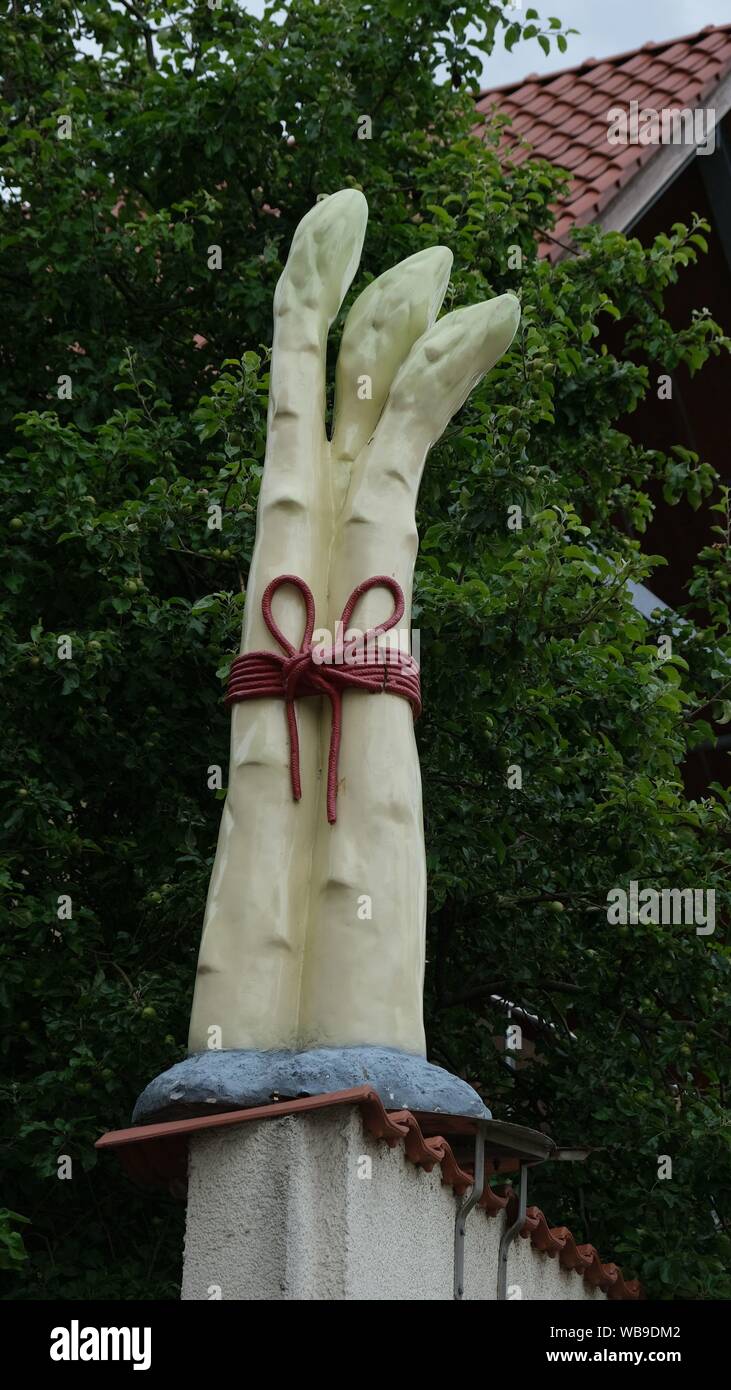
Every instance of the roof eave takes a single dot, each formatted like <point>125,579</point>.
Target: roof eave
<point>655,177</point>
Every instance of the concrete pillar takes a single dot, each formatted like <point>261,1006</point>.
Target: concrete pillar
<point>311,1206</point>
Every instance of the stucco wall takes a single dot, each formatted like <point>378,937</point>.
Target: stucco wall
<point>292,1209</point>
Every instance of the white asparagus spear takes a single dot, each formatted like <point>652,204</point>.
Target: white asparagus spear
<point>250,959</point>
<point>363,977</point>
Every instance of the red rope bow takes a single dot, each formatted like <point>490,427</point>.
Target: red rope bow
<point>255,675</point>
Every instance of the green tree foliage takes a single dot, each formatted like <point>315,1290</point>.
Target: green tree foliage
<point>137,138</point>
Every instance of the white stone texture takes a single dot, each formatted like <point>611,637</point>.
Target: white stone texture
<point>277,1210</point>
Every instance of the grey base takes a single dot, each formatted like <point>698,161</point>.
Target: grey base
<point>236,1079</point>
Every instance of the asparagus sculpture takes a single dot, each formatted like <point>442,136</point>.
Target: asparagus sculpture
<point>311,962</point>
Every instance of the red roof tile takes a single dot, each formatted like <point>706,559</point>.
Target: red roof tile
<point>564,115</point>
<point>609,179</point>
<point>541,103</point>
<point>156,1155</point>
<point>713,40</point>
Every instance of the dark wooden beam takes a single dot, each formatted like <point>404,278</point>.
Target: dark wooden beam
<point>715,170</point>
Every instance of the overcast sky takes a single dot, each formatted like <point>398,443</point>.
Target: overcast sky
<point>606,27</point>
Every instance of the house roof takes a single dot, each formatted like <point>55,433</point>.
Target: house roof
<point>155,1155</point>
<point>563,118</point>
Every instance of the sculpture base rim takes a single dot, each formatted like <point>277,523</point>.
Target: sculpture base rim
<point>238,1078</point>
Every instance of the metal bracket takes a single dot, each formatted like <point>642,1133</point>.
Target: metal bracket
<point>511,1233</point>
<point>501,1139</point>
<point>467,1202</point>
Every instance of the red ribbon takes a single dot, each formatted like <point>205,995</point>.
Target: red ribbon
<point>256,675</point>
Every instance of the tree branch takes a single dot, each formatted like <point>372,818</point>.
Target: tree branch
<point>147,32</point>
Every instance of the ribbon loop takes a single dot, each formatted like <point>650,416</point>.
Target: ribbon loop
<point>256,675</point>
<point>378,581</point>
<point>269,619</point>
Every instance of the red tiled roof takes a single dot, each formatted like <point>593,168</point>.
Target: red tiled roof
<point>564,115</point>
<point>156,1155</point>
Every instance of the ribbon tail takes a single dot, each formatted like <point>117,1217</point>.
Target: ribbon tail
<point>294,751</point>
<point>336,706</point>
